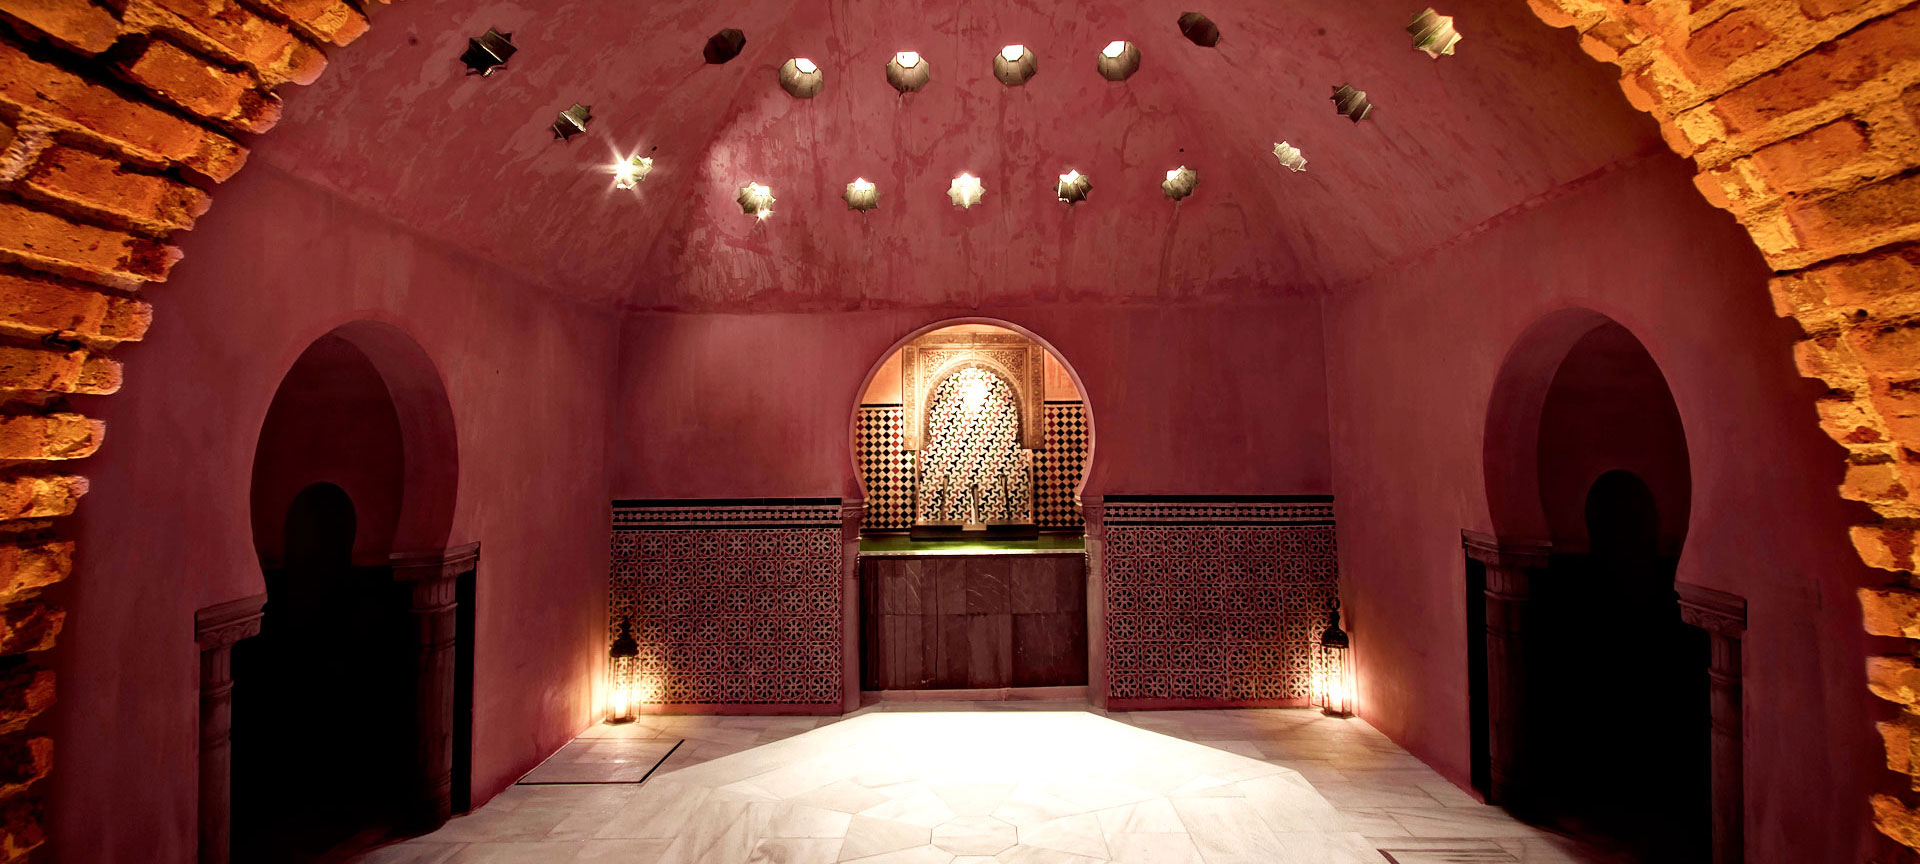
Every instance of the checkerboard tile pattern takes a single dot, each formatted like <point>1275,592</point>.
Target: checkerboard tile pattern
<point>1057,469</point>
<point>885,466</point>
<point>889,470</point>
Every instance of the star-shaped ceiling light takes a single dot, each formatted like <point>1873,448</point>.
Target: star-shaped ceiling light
<point>1073,187</point>
<point>488,52</point>
<point>801,78</point>
<point>1014,65</point>
<point>966,191</point>
<point>908,72</point>
<point>1351,103</point>
<point>1118,61</point>
<point>1180,182</point>
<point>572,121</point>
<point>755,200</point>
<point>1433,33</point>
<point>629,172</point>
<point>861,195</point>
<point>1290,156</point>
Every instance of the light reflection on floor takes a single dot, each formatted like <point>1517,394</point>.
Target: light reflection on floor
<point>965,783</point>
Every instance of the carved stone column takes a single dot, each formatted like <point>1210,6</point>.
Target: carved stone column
<point>1094,511</point>
<point>1511,568</point>
<point>215,629</point>
<point>1724,617</point>
<point>431,579</point>
<point>852,515</point>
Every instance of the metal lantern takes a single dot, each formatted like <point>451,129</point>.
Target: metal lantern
<point>623,655</point>
<point>1333,684</point>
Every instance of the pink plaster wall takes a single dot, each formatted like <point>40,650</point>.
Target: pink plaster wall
<point>276,265</point>
<point>1183,400</point>
<point>331,421</point>
<point>1609,408</point>
<point>1412,357</point>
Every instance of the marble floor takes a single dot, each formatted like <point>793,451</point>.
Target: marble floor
<point>1022,783</point>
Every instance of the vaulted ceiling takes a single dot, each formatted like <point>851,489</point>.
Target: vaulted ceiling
<point>398,126</point>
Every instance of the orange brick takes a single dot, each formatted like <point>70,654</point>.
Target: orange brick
<point>1794,164</point>
<point>26,692</point>
<point>1891,612</point>
<point>24,759</point>
<point>51,242</point>
<point>1898,739</point>
<point>1827,71</point>
<point>1877,482</point>
<point>202,87</point>
<point>21,818</point>
<point>29,626</point>
<point>146,132</point>
<point>272,50</point>
<point>73,24</point>
<point>40,496</point>
<point>38,307</point>
<point>105,186</point>
<point>61,435</point>
<point>323,20</point>
<point>32,368</point>
<point>1824,8</point>
<point>29,567</point>
<point>1727,39</point>
<point>1896,819</point>
<point>1879,285</point>
<point>1887,547</point>
<point>1845,217</point>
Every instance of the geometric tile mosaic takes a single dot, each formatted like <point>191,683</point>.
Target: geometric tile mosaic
<point>732,603</point>
<point>1216,602</point>
<point>888,469</point>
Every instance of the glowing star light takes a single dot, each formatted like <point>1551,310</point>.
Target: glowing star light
<point>1433,33</point>
<point>861,195</point>
<point>801,78</point>
<point>1073,187</point>
<point>756,200</point>
<point>908,72</point>
<point>966,191</point>
<point>628,173</point>
<point>1118,61</point>
<point>1014,65</point>
<point>1290,156</point>
<point>1180,182</point>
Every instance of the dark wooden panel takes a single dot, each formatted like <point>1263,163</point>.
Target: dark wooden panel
<point>973,622</point>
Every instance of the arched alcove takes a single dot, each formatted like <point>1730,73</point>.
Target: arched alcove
<point>971,442</point>
<point>1587,471</point>
<point>333,722</point>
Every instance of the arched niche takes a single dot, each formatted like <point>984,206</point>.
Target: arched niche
<point>1026,361</point>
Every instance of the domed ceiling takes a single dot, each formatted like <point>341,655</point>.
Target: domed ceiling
<point>398,126</point>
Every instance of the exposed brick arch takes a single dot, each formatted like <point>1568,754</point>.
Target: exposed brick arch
<point>1804,120</point>
<point>117,118</point>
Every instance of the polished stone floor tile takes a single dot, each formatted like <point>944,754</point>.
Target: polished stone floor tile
<point>1009,783</point>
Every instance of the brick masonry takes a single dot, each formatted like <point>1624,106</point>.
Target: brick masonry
<point>116,121</point>
<point>1800,117</point>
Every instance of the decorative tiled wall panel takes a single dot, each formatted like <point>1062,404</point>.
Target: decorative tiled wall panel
<point>973,445</point>
<point>886,466</point>
<point>734,603</point>
<point>1215,601</point>
<point>1057,469</point>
